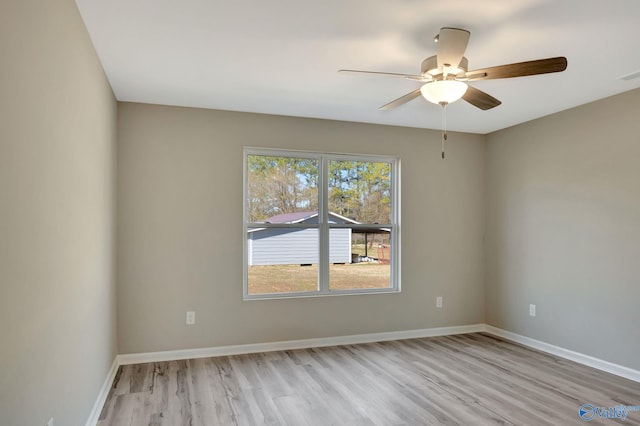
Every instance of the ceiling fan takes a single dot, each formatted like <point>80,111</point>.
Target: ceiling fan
<point>446,74</point>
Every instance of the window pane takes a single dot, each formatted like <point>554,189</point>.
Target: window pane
<point>282,197</point>
<point>278,186</point>
<point>359,259</point>
<point>282,260</point>
<point>360,190</point>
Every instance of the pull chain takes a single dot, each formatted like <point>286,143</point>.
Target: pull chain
<point>444,125</point>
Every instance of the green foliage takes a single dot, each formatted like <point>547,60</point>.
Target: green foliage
<point>281,185</point>
<point>360,190</point>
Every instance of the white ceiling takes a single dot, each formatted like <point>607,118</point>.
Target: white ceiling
<point>282,56</point>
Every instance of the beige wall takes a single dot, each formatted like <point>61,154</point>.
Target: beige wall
<point>563,229</point>
<point>57,142</point>
<point>180,230</point>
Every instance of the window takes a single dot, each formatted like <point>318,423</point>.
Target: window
<point>319,224</point>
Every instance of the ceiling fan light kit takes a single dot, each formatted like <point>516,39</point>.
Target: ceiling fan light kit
<point>444,88</point>
<point>443,91</point>
<point>444,76</point>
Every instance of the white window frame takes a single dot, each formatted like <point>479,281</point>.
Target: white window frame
<point>323,225</point>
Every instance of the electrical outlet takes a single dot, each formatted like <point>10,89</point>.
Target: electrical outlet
<point>532,310</point>
<point>50,422</point>
<point>191,317</point>
<point>439,302</point>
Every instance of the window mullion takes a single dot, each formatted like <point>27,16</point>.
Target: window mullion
<point>323,207</point>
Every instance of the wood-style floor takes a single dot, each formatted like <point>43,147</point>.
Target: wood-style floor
<point>470,379</point>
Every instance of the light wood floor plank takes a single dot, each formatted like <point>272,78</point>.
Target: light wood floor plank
<point>452,380</point>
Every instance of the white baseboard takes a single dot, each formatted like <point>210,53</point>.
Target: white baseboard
<point>295,344</point>
<point>104,393</point>
<point>578,357</point>
<point>609,367</point>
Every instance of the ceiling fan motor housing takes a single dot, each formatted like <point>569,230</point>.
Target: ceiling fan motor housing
<point>430,66</point>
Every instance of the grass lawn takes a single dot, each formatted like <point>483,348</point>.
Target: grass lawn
<point>294,278</point>
<point>371,251</point>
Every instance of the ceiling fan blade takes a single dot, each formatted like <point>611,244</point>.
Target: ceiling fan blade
<point>401,100</point>
<point>452,43</point>
<point>390,74</point>
<point>520,69</point>
<point>480,99</point>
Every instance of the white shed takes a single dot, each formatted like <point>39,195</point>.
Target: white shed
<point>281,246</point>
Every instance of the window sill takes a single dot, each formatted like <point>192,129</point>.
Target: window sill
<point>272,296</point>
